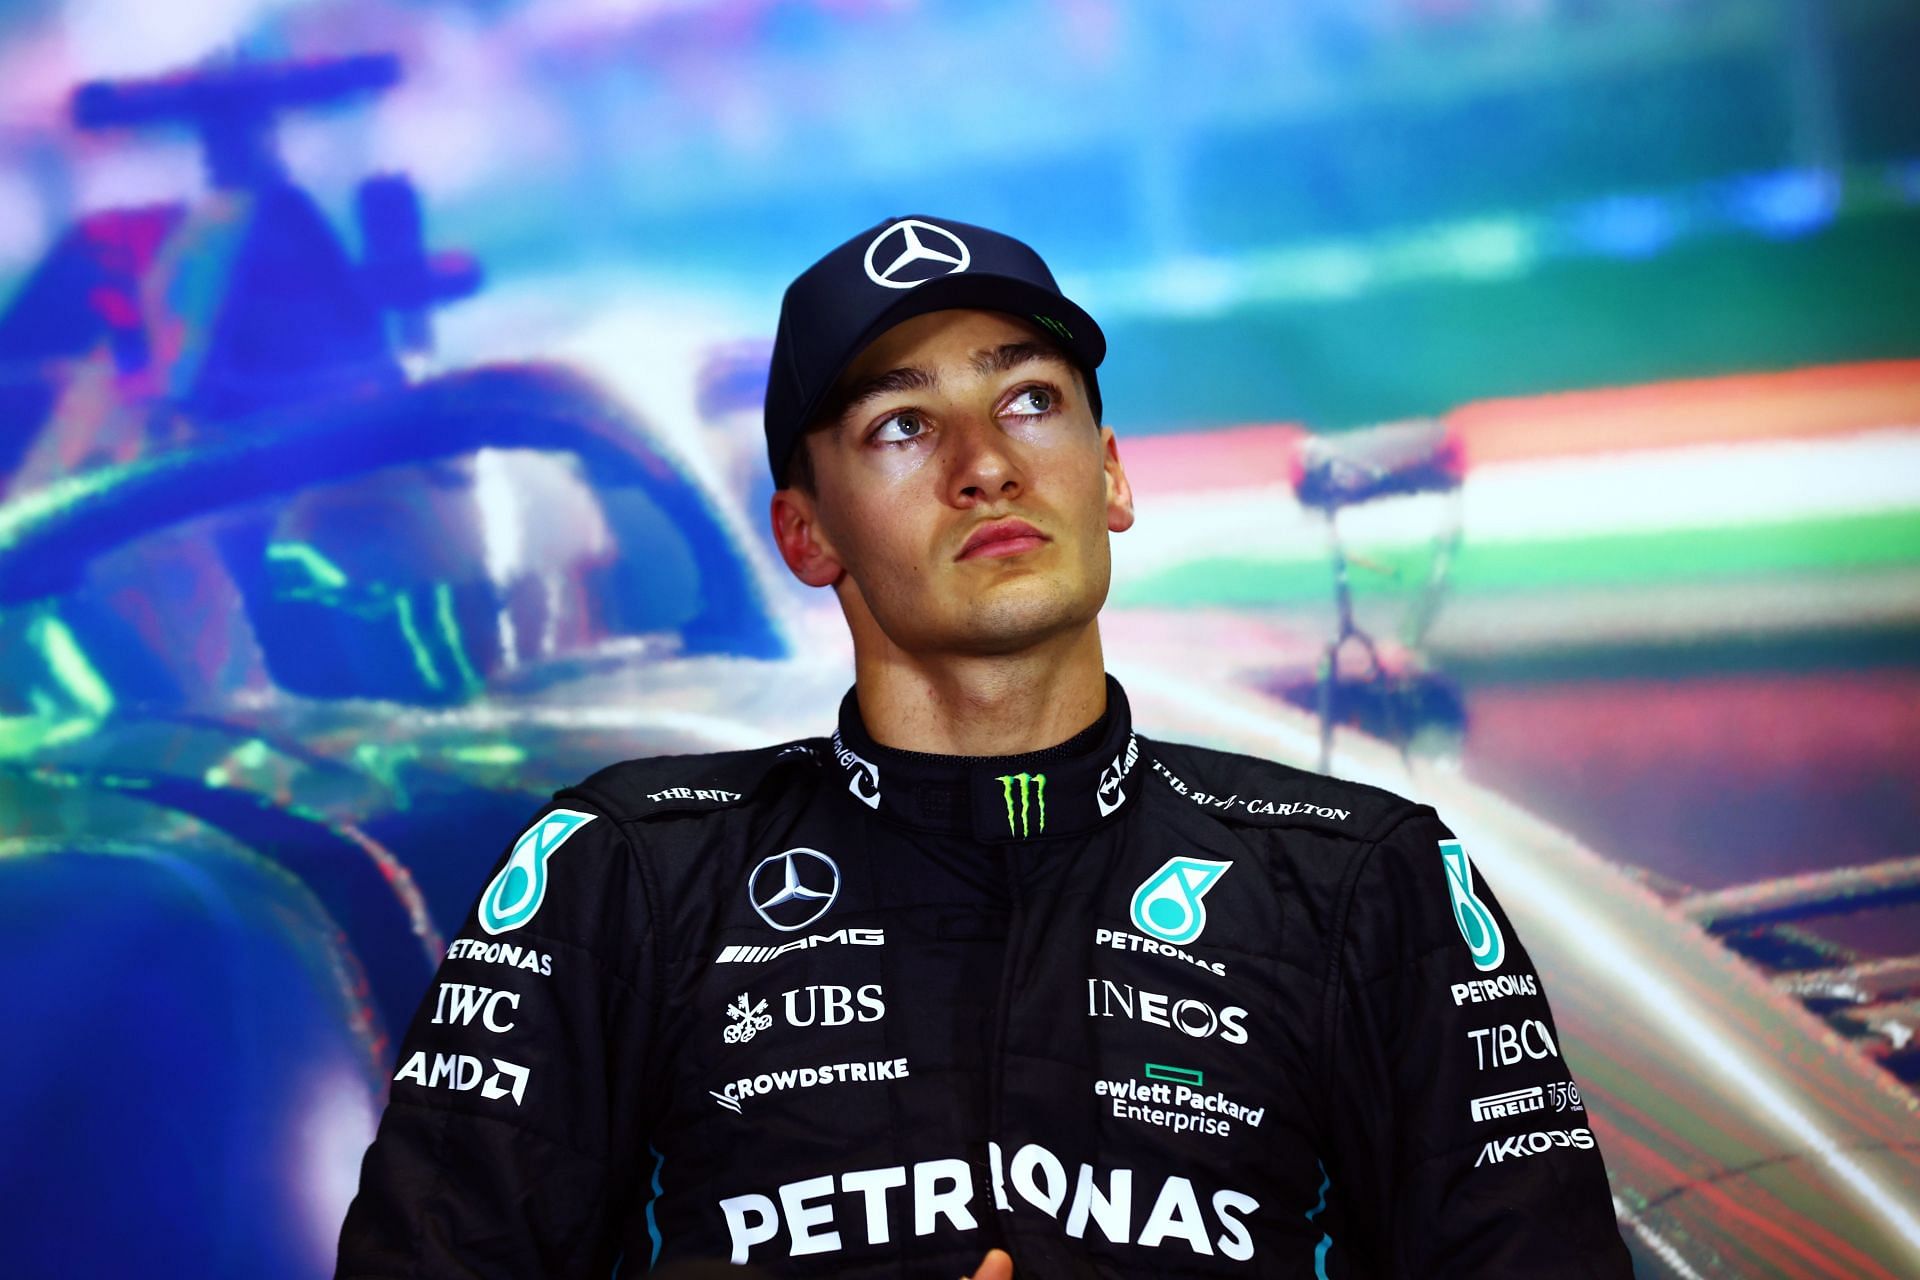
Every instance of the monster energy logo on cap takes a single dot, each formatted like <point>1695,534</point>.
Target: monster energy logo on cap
<point>1032,817</point>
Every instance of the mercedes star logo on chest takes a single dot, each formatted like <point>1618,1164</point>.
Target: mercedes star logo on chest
<point>793,889</point>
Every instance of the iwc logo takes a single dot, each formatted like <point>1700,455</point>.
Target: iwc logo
<point>512,896</point>
<point>793,889</point>
<point>1170,904</point>
<point>913,251</point>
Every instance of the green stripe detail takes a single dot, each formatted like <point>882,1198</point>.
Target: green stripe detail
<point>422,657</point>
<point>1178,1075</point>
<point>1837,545</point>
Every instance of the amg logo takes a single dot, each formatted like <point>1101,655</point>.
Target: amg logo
<point>846,937</point>
<point>1518,1102</point>
<point>1532,1144</point>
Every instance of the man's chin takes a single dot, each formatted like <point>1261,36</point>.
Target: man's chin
<point>1021,615</point>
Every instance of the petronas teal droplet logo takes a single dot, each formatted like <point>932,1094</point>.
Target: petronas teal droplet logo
<point>1170,904</point>
<point>513,895</point>
<point>1484,940</point>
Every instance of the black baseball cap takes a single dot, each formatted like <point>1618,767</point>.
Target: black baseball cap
<point>893,271</point>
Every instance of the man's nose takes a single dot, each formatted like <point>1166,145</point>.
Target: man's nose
<point>983,466</point>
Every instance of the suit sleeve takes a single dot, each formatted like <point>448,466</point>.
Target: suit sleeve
<point>1467,1148</point>
<point>505,1150</point>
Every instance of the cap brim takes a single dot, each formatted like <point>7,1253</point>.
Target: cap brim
<point>1082,338</point>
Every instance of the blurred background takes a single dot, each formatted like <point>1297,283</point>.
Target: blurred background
<point>1522,396</point>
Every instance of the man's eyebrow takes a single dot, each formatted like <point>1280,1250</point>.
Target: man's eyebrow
<point>991,360</point>
<point>1014,354</point>
<point>905,378</point>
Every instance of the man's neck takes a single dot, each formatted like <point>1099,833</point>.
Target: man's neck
<point>997,705</point>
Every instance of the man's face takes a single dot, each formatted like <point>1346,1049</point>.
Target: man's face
<point>964,496</point>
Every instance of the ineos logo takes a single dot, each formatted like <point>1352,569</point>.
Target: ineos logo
<point>914,252</point>
<point>793,889</point>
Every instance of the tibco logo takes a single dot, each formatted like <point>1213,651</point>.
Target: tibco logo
<point>845,937</point>
<point>1091,1201</point>
<point>1196,1018</point>
<point>1533,1144</point>
<point>1508,1043</point>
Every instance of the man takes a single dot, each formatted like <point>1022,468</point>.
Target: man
<point>977,970</point>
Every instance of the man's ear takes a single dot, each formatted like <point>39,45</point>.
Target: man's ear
<point>1119,492</point>
<point>803,543</point>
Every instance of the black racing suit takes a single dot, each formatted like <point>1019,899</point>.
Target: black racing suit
<point>1122,1007</point>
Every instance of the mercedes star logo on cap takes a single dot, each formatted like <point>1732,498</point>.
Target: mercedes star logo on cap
<point>915,252</point>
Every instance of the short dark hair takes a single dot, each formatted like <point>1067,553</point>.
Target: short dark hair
<point>800,466</point>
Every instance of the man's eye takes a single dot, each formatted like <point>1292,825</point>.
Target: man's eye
<point>1031,402</point>
<point>899,428</point>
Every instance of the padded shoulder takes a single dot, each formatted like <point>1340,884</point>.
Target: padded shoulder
<point>1249,791</point>
<point>660,785</point>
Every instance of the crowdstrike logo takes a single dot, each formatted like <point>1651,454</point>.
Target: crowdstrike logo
<point>1032,820</point>
<point>516,892</point>
<point>863,775</point>
<point>1477,925</point>
<point>913,252</point>
<point>732,1094</point>
<point>1110,796</point>
<point>793,889</point>
<point>1169,904</point>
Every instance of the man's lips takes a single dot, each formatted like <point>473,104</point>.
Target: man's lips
<point>1001,538</point>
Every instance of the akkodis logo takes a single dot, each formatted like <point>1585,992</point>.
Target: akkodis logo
<point>1170,904</point>
<point>1477,925</point>
<point>517,891</point>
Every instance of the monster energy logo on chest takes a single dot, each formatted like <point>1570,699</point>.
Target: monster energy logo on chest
<point>1029,818</point>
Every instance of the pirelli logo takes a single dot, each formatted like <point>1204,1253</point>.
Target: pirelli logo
<point>1515,1103</point>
